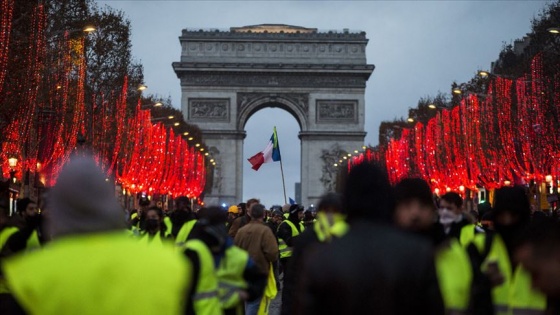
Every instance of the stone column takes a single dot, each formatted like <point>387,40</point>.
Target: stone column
<point>226,148</point>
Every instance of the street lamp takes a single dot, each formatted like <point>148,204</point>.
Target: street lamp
<point>157,104</point>
<point>410,120</point>
<point>554,30</point>
<point>432,106</point>
<point>483,73</point>
<point>142,87</point>
<point>457,91</point>
<point>12,162</point>
<point>163,118</point>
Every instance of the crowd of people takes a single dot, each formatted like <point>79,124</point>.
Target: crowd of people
<point>374,249</point>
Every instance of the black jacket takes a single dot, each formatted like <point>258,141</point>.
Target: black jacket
<point>285,231</point>
<point>374,269</point>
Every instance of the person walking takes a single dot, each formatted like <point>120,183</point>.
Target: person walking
<point>92,258</point>
<point>374,268</point>
<point>242,220</point>
<point>330,224</point>
<point>259,241</point>
<point>415,212</point>
<point>513,291</point>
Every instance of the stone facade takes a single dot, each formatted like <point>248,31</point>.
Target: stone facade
<point>318,77</point>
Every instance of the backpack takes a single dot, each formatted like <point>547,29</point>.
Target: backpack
<point>481,288</point>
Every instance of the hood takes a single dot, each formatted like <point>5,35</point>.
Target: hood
<point>82,201</point>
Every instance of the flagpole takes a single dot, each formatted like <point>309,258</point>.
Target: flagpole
<point>282,171</point>
<point>283,182</point>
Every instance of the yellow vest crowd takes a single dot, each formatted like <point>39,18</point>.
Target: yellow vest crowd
<point>374,249</point>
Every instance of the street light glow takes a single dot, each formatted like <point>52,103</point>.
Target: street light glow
<point>89,28</point>
<point>12,162</point>
<point>158,104</point>
<point>554,30</point>
<point>142,87</point>
<point>457,91</point>
<point>483,73</point>
<point>410,119</point>
<point>432,106</point>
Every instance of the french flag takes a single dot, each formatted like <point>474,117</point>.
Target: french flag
<point>271,153</point>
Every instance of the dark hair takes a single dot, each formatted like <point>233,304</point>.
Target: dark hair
<point>144,201</point>
<point>330,201</point>
<point>242,208</point>
<point>368,194</point>
<point>544,236</point>
<point>157,209</point>
<point>252,201</point>
<point>213,215</point>
<point>22,204</point>
<point>484,208</point>
<point>182,201</point>
<point>513,200</point>
<point>257,211</point>
<point>454,198</point>
<point>410,189</point>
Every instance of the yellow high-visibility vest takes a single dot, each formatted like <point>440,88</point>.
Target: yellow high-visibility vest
<point>454,272</point>
<point>325,230</point>
<point>283,248</point>
<point>230,278</point>
<point>184,233</point>
<point>516,295</point>
<point>4,236</point>
<point>205,295</point>
<point>95,274</point>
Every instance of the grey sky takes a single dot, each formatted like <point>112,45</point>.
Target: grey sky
<point>418,48</point>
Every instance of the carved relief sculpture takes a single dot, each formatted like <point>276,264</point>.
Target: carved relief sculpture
<point>209,109</point>
<point>330,157</point>
<point>337,111</point>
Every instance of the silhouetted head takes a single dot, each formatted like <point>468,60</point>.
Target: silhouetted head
<point>368,194</point>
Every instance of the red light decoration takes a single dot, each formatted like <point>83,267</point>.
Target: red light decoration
<point>508,135</point>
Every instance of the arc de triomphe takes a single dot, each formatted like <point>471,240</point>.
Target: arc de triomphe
<point>318,77</point>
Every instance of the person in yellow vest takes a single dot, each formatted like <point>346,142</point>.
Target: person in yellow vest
<point>451,216</point>
<point>239,278</point>
<point>539,252</point>
<point>513,292</point>
<point>415,211</point>
<point>287,231</point>
<point>90,266</point>
<point>329,225</point>
<point>182,214</point>
<point>156,232</point>
<point>138,217</point>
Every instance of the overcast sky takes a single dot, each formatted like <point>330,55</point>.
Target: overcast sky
<point>418,48</point>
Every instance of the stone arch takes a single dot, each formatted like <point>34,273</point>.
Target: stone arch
<point>295,106</point>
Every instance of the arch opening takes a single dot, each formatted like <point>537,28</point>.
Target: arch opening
<point>289,106</point>
<point>266,183</point>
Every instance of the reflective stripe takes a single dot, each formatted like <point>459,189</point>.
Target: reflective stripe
<point>230,291</point>
<point>205,295</point>
<point>526,311</point>
<point>287,249</point>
